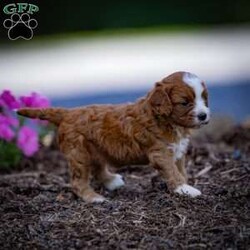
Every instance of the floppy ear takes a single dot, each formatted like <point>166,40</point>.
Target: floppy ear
<point>160,101</point>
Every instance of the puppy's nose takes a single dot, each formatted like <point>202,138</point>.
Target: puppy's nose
<point>202,116</point>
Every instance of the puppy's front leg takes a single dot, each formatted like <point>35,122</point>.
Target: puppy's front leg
<point>163,160</point>
<point>180,163</point>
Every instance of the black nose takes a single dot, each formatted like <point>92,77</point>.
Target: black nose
<point>202,116</point>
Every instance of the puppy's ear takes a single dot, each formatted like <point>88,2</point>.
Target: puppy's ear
<point>160,101</point>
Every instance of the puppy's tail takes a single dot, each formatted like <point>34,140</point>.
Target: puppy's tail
<point>54,115</point>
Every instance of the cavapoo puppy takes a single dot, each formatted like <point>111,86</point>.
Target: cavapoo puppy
<point>154,130</point>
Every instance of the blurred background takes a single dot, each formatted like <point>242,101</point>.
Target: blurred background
<point>97,51</point>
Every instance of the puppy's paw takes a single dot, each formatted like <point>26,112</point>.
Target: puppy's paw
<point>115,183</point>
<point>186,189</point>
<point>98,199</point>
<point>93,197</point>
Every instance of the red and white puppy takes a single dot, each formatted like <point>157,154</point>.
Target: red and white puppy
<point>154,130</point>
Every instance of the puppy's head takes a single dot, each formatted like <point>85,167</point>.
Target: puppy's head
<point>181,97</point>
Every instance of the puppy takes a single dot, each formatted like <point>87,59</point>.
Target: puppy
<point>154,130</point>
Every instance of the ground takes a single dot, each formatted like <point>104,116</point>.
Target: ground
<point>39,211</point>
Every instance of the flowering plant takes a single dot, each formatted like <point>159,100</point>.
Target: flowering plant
<point>18,135</point>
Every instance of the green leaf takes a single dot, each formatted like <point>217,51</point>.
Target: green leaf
<point>10,155</point>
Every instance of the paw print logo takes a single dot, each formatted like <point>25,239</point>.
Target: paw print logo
<point>20,26</point>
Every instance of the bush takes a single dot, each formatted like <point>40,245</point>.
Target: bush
<point>18,135</point>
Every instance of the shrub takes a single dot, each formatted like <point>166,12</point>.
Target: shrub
<point>18,135</point>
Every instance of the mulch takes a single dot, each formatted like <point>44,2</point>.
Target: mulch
<point>39,211</point>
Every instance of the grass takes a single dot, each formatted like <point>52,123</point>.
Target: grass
<point>108,33</point>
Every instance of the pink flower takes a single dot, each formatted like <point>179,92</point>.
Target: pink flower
<point>27,141</point>
<point>8,120</point>
<point>6,132</point>
<point>8,100</point>
<point>35,100</point>
<point>1,103</point>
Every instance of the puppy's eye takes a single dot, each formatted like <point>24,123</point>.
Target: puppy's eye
<point>184,103</point>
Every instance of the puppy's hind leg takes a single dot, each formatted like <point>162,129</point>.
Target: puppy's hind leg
<point>111,181</point>
<point>80,171</point>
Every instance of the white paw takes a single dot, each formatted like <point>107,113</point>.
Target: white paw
<point>188,190</point>
<point>98,199</point>
<point>115,183</point>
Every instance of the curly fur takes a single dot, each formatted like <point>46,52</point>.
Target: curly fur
<point>95,137</point>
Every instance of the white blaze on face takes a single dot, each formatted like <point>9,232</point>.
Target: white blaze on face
<point>200,107</point>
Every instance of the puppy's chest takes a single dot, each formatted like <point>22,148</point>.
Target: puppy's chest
<point>179,148</point>
<point>180,145</point>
